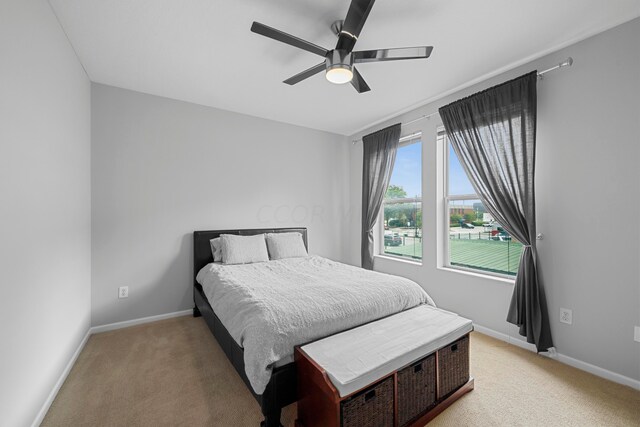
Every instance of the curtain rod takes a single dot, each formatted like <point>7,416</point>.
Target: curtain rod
<point>566,63</point>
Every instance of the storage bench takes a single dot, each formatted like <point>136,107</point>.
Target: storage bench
<point>401,371</point>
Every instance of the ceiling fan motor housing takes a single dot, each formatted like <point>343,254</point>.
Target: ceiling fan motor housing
<point>338,58</point>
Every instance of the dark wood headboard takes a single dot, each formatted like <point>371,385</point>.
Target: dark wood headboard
<point>202,248</point>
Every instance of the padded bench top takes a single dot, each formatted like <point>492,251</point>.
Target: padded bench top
<point>358,357</point>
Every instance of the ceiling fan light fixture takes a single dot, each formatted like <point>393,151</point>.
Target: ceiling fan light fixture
<point>339,74</point>
<point>339,67</point>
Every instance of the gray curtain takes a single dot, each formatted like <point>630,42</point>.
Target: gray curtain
<point>494,135</point>
<point>379,156</point>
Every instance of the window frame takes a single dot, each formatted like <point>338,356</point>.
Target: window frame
<point>443,141</point>
<point>412,138</point>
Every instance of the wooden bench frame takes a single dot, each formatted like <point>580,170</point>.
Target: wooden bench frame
<point>319,400</point>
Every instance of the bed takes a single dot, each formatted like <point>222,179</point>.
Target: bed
<point>294,300</point>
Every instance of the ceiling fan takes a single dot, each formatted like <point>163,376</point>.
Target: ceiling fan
<point>339,63</point>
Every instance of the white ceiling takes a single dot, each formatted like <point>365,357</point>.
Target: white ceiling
<point>202,51</point>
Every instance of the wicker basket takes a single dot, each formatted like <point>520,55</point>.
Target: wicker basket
<point>453,366</point>
<point>372,407</point>
<point>416,389</point>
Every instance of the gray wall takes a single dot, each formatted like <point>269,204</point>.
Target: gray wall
<point>45,255</point>
<point>588,202</point>
<point>163,168</point>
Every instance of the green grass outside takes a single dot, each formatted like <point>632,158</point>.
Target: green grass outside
<point>487,255</point>
<point>411,250</point>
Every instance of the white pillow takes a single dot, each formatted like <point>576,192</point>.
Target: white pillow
<point>216,249</point>
<point>243,249</point>
<point>286,245</point>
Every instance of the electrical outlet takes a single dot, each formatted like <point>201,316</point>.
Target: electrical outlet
<point>636,333</point>
<point>123,292</point>
<point>566,316</point>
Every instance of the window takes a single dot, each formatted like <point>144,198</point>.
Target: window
<point>401,212</point>
<point>474,240</point>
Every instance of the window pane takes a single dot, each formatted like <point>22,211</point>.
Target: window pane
<point>403,229</point>
<point>458,181</point>
<point>402,208</point>
<point>477,241</point>
<point>406,179</point>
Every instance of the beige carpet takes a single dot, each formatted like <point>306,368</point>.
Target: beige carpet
<point>172,373</point>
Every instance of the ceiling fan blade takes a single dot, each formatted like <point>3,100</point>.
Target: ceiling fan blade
<point>306,74</point>
<point>358,82</point>
<point>278,35</point>
<point>353,23</point>
<point>396,54</point>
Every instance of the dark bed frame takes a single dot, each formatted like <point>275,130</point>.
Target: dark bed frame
<point>282,388</point>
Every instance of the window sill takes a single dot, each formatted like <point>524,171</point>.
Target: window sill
<point>398,259</point>
<point>505,280</point>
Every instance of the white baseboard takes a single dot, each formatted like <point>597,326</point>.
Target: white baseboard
<point>94,330</point>
<point>504,337</point>
<point>54,392</point>
<point>133,322</point>
<point>601,372</point>
<point>584,366</point>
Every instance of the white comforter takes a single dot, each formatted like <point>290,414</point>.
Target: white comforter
<point>270,307</point>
